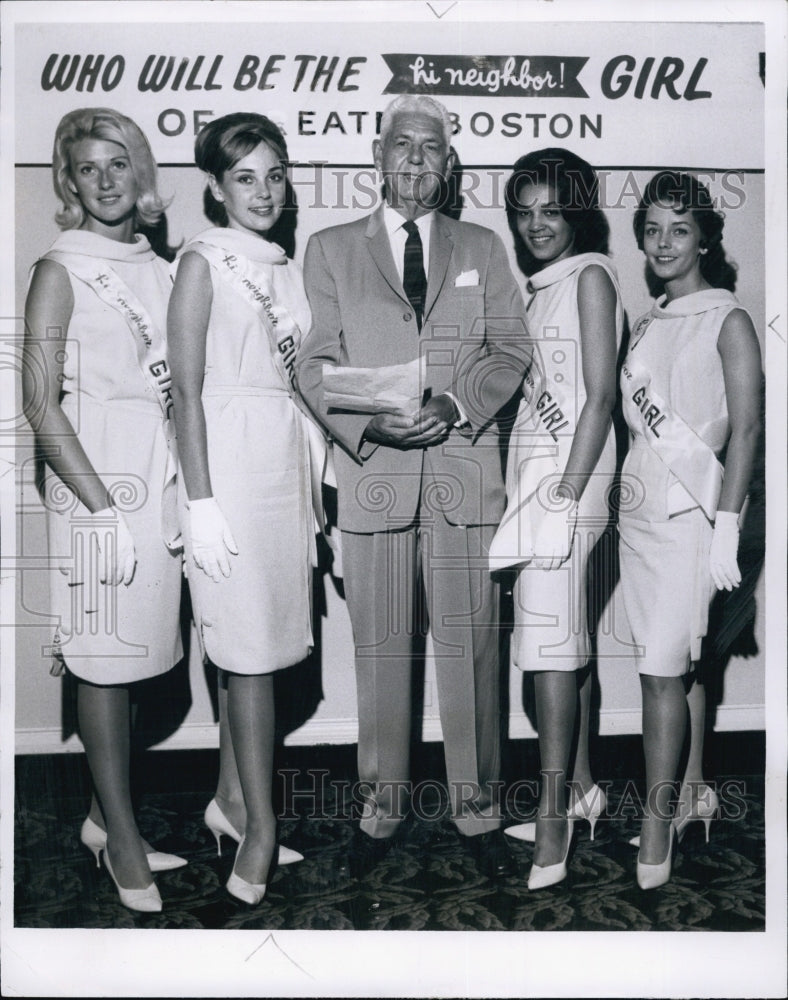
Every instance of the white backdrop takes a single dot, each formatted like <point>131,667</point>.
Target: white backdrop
<point>632,87</point>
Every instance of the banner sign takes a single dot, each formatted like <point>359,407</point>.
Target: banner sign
<point>630,94</point>
<point>521,76</point>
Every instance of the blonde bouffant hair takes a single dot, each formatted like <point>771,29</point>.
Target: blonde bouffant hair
<point>112,126</point>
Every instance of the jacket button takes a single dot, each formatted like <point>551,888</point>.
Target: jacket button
<point>407,317</point>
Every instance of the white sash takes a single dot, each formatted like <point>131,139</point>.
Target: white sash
<point>253,287</point>
<point>551,426</point>
<point>151,349</point>
<point>284,337</point>
<point>677,445</point>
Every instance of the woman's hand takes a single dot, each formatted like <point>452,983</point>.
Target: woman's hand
<point>117,557</point>
<point>211,538</point>
<point>554,538</point>
<point>724,546</point>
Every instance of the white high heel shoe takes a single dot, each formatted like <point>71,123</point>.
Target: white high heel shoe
<point>95,839</point>
<point>653,876</point>
<point>219,824</point>
<point>540,878</point>
<point>145,900</point>
<point>248,892</point>
<point>704,807</point>
<point>590,807</point>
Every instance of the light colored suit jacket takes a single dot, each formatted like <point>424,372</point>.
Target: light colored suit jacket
<point>473,336</point>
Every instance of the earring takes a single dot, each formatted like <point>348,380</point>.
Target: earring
<point>704,250</point>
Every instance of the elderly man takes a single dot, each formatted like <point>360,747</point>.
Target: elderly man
<point>419,497</point>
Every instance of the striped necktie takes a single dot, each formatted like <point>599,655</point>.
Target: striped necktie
<point>414,280</point>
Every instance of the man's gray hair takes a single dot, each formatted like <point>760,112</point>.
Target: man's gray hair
<point>418,104</point>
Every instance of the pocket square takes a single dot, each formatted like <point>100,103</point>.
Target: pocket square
<point>466,279</point>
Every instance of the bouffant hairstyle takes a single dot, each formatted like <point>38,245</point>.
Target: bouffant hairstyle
<point>684,193</point>
<point>225,141</point>
<point>112,126</point>
<point>576,187</point>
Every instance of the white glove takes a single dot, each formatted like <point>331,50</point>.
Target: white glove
<point>211,538</point>
<point>554,537</point>
<point>116,547</point>
<point>724,546</point>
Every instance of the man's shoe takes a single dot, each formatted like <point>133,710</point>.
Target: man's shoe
<point>363,855</point>
<point>492,855</point>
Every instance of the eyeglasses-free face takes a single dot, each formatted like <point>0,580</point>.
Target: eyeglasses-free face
<point>101,176</point>
<point>413,159</point>
<point>253,191</point>
<point>547,235</point>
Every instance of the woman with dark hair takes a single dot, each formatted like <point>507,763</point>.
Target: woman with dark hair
<point>560,467</point>
<point>96,392</point>
<point>237,315</point>
<point>679,545</point>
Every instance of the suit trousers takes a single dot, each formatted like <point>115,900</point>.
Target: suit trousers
<point>384,576</point>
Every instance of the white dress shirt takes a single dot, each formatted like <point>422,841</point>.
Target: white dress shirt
<point>394,222</point>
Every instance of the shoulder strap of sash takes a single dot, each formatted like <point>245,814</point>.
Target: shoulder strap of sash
<point>148,339</point>
<point>672,439</point>
<point>284,337</point>
<point>253,286</point>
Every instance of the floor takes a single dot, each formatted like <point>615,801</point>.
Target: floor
<point>428,882</point>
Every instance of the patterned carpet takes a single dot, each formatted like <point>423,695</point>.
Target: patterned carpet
<point>427,882</point>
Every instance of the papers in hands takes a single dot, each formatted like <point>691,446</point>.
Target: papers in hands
<point>390,389</point>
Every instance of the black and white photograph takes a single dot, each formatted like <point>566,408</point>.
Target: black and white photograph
<point>393,492</point>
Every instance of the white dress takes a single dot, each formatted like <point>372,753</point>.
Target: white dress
<point>107,634</point>
<point>258,619</point>
<point>551,629</point>
<point>664,535</point>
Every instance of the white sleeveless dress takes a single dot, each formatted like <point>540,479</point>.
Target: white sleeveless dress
<point>551,629</point>
<point>113,635</point>
<point>664,535</point>
<point>258,619</point>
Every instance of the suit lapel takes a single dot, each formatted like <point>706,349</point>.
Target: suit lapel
<point>441,247</point>
<point>380,250</point>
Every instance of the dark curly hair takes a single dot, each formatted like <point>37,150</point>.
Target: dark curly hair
<point>685,193</point>
<point>576,191</point>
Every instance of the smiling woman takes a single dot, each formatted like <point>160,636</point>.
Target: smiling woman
<point>252,191</point>
<point>541,223</point>
<point>87,133</point>
<point>237,316</point>
<point>563,436</point>
<point>692,453</point>
<point>103,181</point>
<point>95,318</point>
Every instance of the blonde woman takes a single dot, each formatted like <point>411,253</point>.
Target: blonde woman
<point>96,392</point>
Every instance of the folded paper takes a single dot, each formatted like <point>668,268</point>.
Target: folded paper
<point>390,389</point>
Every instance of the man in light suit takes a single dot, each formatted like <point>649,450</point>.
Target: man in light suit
<point>419,498</point>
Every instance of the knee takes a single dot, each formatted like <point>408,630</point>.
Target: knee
<point>659,687</point>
